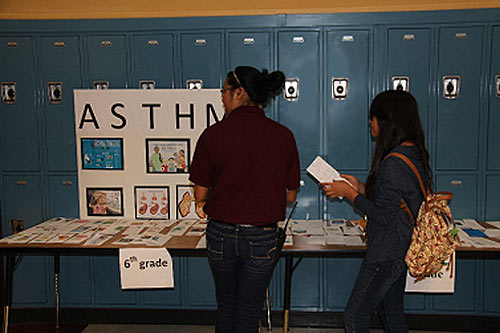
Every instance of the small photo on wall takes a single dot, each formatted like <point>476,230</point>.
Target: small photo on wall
<point>152,202</point>
<point>104,201</point>
<point>167,155</point>
<point>187,207</point>
<point>102,153</point>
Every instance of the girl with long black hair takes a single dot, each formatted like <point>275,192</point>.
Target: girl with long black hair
<point>396,127</point>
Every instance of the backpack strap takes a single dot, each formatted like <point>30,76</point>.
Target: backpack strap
<point>413,168</point>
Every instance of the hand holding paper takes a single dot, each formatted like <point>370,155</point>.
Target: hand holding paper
<point>324,172</point>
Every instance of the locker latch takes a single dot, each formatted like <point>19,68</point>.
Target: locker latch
<point>451,87</point>
<point>291,89</point>
<point>194,84</point>
<point>497,85</point>
<point>339,88</point>
<point>55,92</point>
<point>100,85</point>
<point>9,92</point>
<point>147,84</point>
<point>401,83</point>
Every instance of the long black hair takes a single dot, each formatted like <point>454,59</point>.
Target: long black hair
<point>398,121</point>
<point>261,87</point>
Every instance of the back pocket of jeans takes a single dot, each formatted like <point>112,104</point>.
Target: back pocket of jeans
<point>215,246</point>
<point>263,253</point>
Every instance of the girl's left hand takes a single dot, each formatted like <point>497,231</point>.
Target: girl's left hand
<point>337,189</point>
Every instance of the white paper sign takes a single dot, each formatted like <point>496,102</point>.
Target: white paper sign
<point>441,282</point>
<point>146,268</point>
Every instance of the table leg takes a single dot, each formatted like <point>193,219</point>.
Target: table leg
<point>8,290</point>
<point>288,287</point>
<point>56,286</point>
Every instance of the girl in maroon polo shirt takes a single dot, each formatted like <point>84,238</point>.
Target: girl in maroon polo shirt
<point>246,169</point>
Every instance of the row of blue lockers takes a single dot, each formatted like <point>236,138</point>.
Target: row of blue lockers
<point>452,69</point>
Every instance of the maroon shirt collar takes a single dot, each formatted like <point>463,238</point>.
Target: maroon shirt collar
<point>247,109</point>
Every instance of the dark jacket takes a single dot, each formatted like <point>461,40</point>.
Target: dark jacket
<point>389,228</point>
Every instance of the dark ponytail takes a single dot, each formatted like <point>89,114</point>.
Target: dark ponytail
<point>261,87</point>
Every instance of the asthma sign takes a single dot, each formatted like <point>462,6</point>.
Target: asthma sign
<point>146,268</point>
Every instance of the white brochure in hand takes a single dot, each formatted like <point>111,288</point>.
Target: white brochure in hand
<point>324,172</point>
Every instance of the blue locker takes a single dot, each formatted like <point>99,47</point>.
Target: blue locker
<point>299,58</point>
<point>107,60</point>
<point>24,201</point>
<point>409,52</point>
<point>341,274</point>
<point>107,288</point>
<point>494,103</point>
<point>60,64</point>
<point>250,49</point>
<point>306,282</point>
<point>75,277</point>
<point>19,128</point>
<point>201,59</point>
<point>460,55</point>
<point>153,60</point>
<point>200,288</point>
<point>492,198</point>
<point>491,286</point>
<point>464,297</point>
<point>347,137</point>
<point>308,206</point>
<point>464,188</point>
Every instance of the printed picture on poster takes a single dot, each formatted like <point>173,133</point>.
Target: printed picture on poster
<point>167,155</point>
<point>104,201</point>
<point>187,207</point>
<point>152,202</point>
<point>102,153</point>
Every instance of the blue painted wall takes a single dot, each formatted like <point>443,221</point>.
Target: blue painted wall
<point>37,150</point>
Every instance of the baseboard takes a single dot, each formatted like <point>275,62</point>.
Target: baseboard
<point>72,316</point>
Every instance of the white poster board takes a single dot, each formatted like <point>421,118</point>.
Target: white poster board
<point>441,282</point>
<point>138,142</point>
<point>143,268</point>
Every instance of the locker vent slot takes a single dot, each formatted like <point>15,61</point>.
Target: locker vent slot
<point>409,37</point>
<point>460,35</point>
<point>11,44</point>
<point>106,43</point>
<point>348,38</point>
<point>298,40</point>
<point>58,44</point>
<point>201,42</point>
<point>153,42</point>
<point>248,41</point>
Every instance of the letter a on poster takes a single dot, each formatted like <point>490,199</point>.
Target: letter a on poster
<point>146,268</point>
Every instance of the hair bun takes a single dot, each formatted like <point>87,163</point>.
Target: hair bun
<point>275,81</point>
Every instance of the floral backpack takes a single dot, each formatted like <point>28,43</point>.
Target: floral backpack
<point>434,237</point>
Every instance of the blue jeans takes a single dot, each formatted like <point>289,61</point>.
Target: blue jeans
<point>380,287</point>
<point>242,260</point>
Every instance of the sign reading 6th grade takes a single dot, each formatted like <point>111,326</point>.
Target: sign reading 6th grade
<point>146,268</point>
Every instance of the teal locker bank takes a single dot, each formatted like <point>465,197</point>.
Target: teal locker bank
<point>449,60</point>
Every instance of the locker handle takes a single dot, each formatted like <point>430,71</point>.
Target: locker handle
<point>67,182</point>
<point>456,182</point>
<point>22,183</point>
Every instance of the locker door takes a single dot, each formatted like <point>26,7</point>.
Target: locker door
<point>493,198</point>
<point>348,78</point>
<point>409,57</point>
<point>464,188</point>
<point>250,49</point>
<point>107,60</point>
<point>200,289</point>
<point>201,57</point>
<point>460,54</point>
<point>154,60</point>
<point>24,200</point>
<point>299,58</point>
<point>19,128</point>
<point>494,111</point>
<point>60,63</point>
